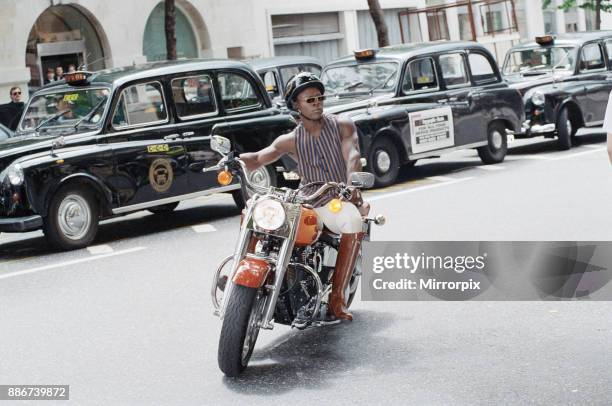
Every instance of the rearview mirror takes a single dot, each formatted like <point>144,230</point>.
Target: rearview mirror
<point>220,144</point>
<point>364,180</point>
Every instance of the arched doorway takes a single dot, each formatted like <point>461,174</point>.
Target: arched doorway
<point>64,35</point>
<point>154,42</point>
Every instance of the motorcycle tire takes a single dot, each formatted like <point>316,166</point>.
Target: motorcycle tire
<point>242,308</point>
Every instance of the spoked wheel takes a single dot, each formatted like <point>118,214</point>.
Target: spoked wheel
<point>240,329</point>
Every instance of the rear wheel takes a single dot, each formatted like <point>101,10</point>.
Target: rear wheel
<point>240,329</point>
<point>384,161</point>
<point>264,176</point>
<point>497,144</point>
<point>72,219</point>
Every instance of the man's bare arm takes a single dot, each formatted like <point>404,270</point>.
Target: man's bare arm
<point>350,146</point>
<point>285,144</point>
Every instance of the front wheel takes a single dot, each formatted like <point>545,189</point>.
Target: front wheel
<point>240,329</point>
<point>384,161</point>
<point>72,219</point>
<point>565,130</point>
<point>497,145</point>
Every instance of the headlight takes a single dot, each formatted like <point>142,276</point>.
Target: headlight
<point>538,99</point>
<point>269,214</point>
<point>15,174</point>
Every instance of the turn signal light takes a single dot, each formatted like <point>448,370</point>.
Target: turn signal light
<point>335,206</point>
<point>224,178</point>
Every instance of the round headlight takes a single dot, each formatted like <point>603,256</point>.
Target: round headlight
<point>269,214</point>
<point>15,174</point>
<point>538,98</point>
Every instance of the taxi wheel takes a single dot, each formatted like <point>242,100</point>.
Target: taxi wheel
<point>565,130</point>
<point>383,162</point>
<point>72,218</point>
<point>497,144</point>
<point>164,208</point>
<point>265,176</point>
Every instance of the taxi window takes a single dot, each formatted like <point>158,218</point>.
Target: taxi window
<point>421,75</point>
<point>591,58</point>
<point>140,105</point>
<point>194,96</point>
<point>271,83</point>
<point>288,72</point>
<point>237,92</point>
<point>453,70</point>
<point>312,68</point>
<point>482,70</point>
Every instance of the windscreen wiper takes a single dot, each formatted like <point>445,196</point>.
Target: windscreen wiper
<point>52,118</point>
<point>90,114</point>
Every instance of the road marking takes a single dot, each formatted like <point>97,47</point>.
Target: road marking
<point>73,262</point>
<point>204,228</point>
<point>417,189</point>
<point>538,157</point>
<point>578,154</point>
<point>100,249</point>
<point>593,146</point>
<point>441,178</point>
<point>491,167</point>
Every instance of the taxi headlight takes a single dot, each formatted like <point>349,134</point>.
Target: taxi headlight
<point>538,99</point>
<point>269,214</point>
<point>15,174</point>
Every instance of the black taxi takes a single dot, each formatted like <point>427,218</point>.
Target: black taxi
<point>422,100</point>
<point>101,144</point>
<point>565,81</point>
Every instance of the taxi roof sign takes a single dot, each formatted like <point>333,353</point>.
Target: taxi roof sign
<point>545,40</point>
<point>364,53</point>
<point>76,78</point>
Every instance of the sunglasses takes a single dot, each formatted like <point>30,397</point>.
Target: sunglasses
<point>16,93</point>
<point>311,100</point>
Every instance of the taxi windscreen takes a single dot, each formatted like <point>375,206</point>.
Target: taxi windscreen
<point>361,78</point>
<point>78,110</point>
<point>539,60</point>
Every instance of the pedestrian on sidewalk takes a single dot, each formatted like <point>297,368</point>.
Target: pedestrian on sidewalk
<point>10,113</point>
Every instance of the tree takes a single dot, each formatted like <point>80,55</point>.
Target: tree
<point>596,5</point>
<point>170,26</point>
<point>379,22</point>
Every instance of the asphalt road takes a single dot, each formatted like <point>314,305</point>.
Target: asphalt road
<point>129,320</point>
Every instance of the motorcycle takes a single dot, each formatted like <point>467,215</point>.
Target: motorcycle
<point>282,265</point>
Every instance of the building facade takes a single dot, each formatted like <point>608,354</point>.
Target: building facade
<point>41,34</point>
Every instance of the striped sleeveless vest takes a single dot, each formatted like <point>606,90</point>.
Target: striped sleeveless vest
<point>320,158</point>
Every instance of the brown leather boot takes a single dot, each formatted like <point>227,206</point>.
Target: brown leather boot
<point>347,256</point>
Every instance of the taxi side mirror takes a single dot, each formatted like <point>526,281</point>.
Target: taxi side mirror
<point>220,144</point>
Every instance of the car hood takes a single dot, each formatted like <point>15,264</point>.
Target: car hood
<point>16,147</point>
<point>525,83</point>
<point>336,105</point>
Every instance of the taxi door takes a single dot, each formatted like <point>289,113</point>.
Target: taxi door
<point>150,158</point>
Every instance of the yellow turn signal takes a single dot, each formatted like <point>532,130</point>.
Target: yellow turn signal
<point>224,178</point>
<point>335,206</point>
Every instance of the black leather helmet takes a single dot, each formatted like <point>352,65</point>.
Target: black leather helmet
<point>298,83</point>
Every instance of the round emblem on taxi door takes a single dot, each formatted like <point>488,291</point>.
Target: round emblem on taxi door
<point>161,175</point>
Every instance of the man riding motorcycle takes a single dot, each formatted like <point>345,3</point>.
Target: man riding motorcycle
<point>326,149</point>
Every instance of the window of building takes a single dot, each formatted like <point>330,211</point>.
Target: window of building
<point>453,68</point>
<point>139,105</point>
<point>154,42</point>
<point>194,96</point>
<point>438,26</point>
<point>236,92</point>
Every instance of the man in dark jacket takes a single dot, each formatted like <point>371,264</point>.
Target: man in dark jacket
<point>10,113</point>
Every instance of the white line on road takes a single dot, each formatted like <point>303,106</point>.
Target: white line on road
<point>491,167</point>
<point>73,262</point>
<point>417,189</point>
<point>100,249</point>
<point>441,178</point>
<point>593,146</point>
<point>578,154</point>
<point>204,228</point>
<point>538,157</point>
